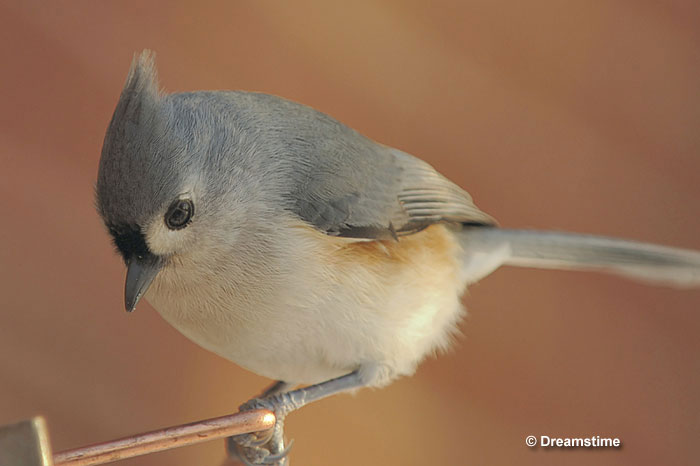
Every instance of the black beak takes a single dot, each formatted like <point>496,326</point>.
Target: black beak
<point>140,272</point>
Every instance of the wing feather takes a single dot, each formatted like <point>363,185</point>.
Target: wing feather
<point>398,195</point>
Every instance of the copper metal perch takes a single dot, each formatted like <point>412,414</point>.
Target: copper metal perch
<point>26,443</point>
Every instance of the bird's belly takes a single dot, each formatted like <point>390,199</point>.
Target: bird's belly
<point>366,306</point>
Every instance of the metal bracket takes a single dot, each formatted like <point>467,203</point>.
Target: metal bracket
<point>25,444</point>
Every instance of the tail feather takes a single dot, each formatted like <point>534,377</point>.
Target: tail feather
<point>572,251</point>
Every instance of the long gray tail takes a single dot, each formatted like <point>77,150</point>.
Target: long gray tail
<point>488,248</point>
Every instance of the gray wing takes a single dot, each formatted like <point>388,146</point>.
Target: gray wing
<point>379,194</point>
<point>341,182</point>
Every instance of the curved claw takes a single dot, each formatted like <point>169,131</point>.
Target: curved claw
<point>244,460</point>
<point>260,440</point>
<point>251,440</point>
<point>273,459</point>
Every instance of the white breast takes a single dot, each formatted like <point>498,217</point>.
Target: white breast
<point>322,306</point>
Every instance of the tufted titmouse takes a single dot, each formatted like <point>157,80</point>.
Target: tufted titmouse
<point>282,240</point>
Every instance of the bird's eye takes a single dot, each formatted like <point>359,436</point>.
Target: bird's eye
<point>179,214</point>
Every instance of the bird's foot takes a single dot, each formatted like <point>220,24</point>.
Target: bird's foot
<point>263,447</point>
<point>268,448</point>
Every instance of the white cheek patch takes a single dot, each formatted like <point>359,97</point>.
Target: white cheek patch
<point>163,241</point>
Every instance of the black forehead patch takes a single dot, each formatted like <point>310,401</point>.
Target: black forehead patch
<point>129,241</point>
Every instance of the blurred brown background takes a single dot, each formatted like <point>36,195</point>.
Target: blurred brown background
<point>571,115</point>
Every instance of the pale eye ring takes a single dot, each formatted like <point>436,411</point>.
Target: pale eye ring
<point>179,214</point>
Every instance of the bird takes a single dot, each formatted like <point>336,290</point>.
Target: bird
<point>290,244</point>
